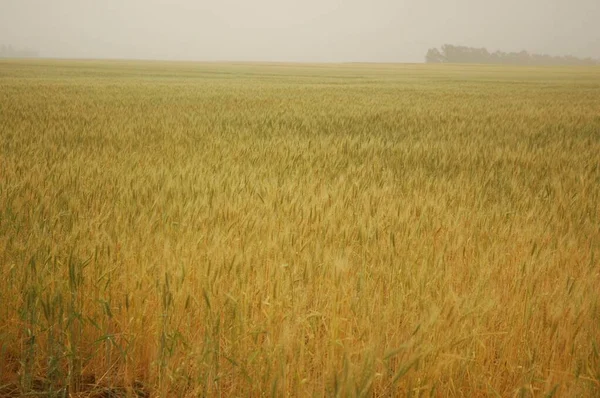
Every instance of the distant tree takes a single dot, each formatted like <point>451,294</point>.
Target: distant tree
<point>461,54</point>
<point>481,55</point>
<point>8,51</point>
<point>434,56</point>
<point>452,53</point>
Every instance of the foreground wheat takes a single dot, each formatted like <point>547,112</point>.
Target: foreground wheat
<point>249,230</point>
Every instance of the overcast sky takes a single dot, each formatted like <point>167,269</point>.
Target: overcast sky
<point>296,30</point>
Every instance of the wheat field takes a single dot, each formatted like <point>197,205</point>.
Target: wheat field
<point>197,229</point>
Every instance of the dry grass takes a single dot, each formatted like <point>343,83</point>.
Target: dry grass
<point>299,230</point>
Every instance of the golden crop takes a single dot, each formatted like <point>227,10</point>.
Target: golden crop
<point>181,229</point>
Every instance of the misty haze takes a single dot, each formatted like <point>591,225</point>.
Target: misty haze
<point>299,199</point>
<point>307,31</point>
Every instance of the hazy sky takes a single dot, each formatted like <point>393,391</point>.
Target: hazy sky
<point>297,30</point>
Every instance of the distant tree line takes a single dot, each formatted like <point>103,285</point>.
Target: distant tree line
<point>449,53</point>
<point>11,52</point>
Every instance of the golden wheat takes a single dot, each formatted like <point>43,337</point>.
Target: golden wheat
<point>181,229</point>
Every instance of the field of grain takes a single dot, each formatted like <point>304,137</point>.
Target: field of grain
<point>181,229</point>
